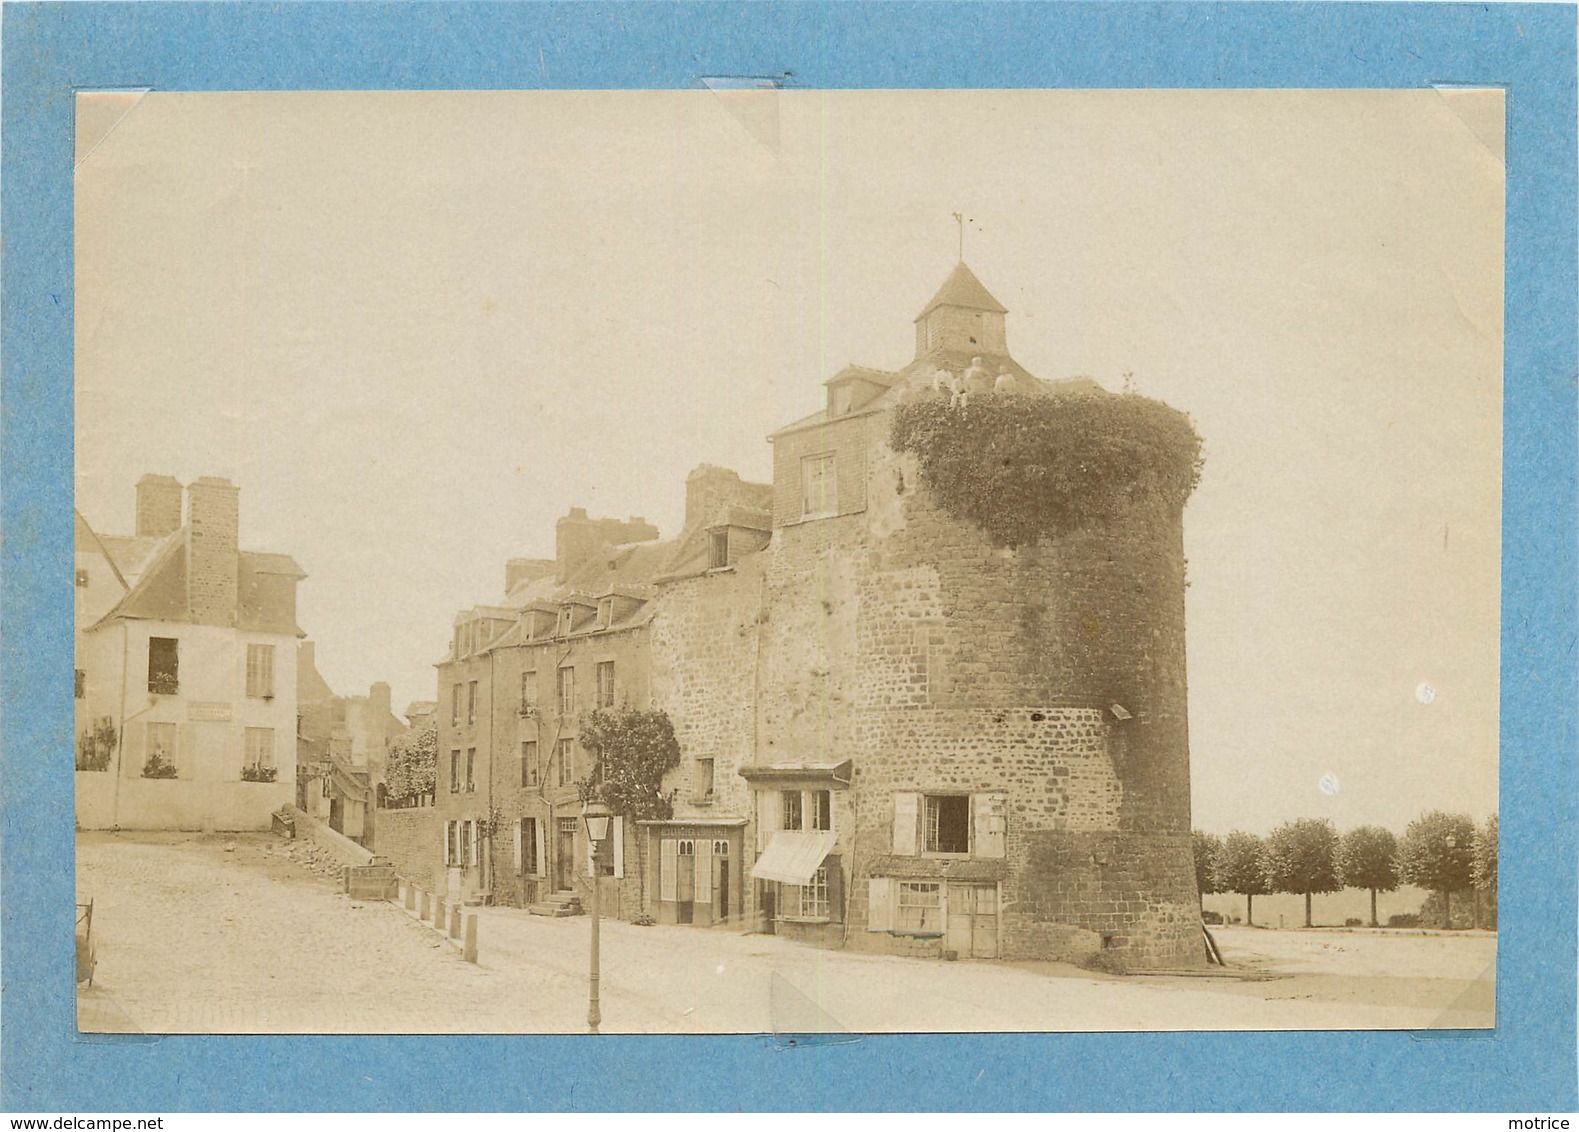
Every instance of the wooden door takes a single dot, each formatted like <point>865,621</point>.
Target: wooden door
<point>957,919</point>
<point>984,923</point>
<point>565,855</point>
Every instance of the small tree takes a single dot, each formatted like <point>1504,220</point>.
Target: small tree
<point>1302,857</point>
<point>1207,848</point>
<point>1368,858</point>
<point>1241,867</point>
<point>632,750</point>
<point>1483,870</point>
<point>412,768</point>
<point>1437,853</point>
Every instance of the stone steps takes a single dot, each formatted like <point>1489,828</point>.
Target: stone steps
<point>556,905</point>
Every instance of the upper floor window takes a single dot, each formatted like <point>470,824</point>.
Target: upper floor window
<point>259,749</point>
<point>471,702</point>
<point>260,671</point>
<point>455,771</point>
<point>605,613</point>
<point>947,827</point>
<point>567,691</point>
<point>163,666</point>
<point>605,683</point>
<point>455,705</point>
<point>819,492</point>
<point>565,758</point>
<point>529,689</point>
<point>718,549</point>
<point>471,770</point>
<point>529,762</point>
<point>819,809</point>
<point>704,780</point>
<point>793,811</point>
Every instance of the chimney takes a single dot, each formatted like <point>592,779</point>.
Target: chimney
<point>578,539</point>
<point>378,698</point>
<point>212,561</point>
<point>709,489</point>
<point>158,506</point>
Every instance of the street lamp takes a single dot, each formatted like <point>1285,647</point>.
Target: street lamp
<point>596,817</point>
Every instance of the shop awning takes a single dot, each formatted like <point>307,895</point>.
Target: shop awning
<point>792,856</point>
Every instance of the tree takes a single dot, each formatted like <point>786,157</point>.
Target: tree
<point>412,768</point>
<point>632,750</point>
<point>96,745</point>
<point>1207,848</point>
<point>1483,870</point>
<point>1241,867</point>
<point>1368,858</point>
<point>1302,857</point>
<point>1438,853</point>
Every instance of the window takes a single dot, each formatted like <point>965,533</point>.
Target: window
<point>163,666</point>
<point>605,613</point>
<point>82,683</point>
<point>819,809</point>
<point>82,579</point>
<point>809,901</point>
<point>464,835</point>
<point>459,643</point>
<point>567,691</point>
<point>528,843</point>
<point>718,549</point>
<point>529,763</point>
<point>818,496</point>
<point>606,683</point>
<point>259,748</point>
<point>948,823</point>
<point>565,757</point>
<point>471,769</point>
<point>704,780</point>
<point>471,702</point>
<point>920,907</point>
<point>529,689</point>
<point>161,747</point>
<point>455,772</point>
<point>260,671</point>
<point>792,809</point>
<point>455,706</point>
<point>451,832</point>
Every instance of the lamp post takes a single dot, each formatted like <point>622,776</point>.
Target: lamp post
<point>595,815</point>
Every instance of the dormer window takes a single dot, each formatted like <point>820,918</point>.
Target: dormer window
<point>819,497</point>
<point>565,616</point>
<point>718,549</point>
<point>605,613</point>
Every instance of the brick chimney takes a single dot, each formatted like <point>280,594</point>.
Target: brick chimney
<point>709,489</point>
<point>518,570</point>
<point>212,561</point>
<point>579,539</point>
<point>378,699</point>
<point>158,506</point>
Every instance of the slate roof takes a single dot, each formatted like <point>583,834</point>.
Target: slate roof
<point>962,289</point>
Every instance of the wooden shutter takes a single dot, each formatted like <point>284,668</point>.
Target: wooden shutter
<point>835,889</point>
<point>476,841</point>
<point>770,815</point>
<point>879,904</point>
<point>618,826</point>
<point>519,822</point>
<point>905,838</point>
<point>669,869</point>
<point>991,823</point>
<point>540,831</point>
<point>704,871</point>
<point>449,844</point>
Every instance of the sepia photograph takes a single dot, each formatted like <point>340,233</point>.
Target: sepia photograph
<point>757,560</point>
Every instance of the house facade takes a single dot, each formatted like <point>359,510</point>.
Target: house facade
<point>186,665</point>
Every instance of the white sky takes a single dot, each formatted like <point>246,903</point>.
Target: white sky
<point>416,328</point>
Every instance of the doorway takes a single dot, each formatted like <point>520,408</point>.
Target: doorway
<point>565,855</point>
<point>972,926</point>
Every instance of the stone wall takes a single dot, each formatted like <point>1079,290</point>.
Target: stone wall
<point>413,840</point>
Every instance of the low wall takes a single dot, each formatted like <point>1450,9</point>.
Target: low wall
<point>348,851</point>
<point>413,841</point>
<point>177,803</point>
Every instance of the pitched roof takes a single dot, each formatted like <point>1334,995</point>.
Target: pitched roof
<point>963,289</point>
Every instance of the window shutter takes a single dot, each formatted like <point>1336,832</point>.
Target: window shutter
<point>449,843</point>
<point>905,806</point>
<point>618,826</point>
<point>519,822</point>
<point>540,831</point>
<point>991,824</point>
<point>769,816</point>
<point>879,904</point>
<point>704,871</point>
<point>835,889</point>
<point>669,869</point>
<point>476,841</point>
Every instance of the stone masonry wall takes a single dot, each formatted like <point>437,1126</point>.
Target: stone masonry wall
<point>413,840</point>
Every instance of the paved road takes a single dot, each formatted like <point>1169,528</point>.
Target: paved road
<point>215,935</point>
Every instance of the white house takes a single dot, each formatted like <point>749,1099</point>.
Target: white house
<point>186,668</point>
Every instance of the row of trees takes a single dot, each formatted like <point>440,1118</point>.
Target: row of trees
<point>1445,853</point>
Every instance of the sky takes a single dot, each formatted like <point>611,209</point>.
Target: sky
<point>416,328</point>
